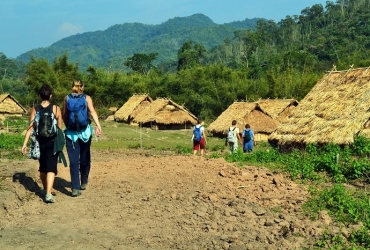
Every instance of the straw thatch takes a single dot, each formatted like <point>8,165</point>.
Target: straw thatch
<point>244,113</point>
<point>334,111</point>
<point>132,107</point>
<point>9,106</point>
<point>164,113</point>
<point>112,110</point>
<point>277,109</point>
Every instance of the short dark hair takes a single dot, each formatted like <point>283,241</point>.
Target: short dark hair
<point>45,92</point>
<point>199,121</point>
<point>247,126</point>
<point>233,122</point>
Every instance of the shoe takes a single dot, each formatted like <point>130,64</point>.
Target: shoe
<point>76,192</point>
<point>83,186</point>
<point>49,198</point>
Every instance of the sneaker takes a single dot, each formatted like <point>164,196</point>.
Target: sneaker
<point>76,192</point>
<point>49,198</point>
<point>83,186</point>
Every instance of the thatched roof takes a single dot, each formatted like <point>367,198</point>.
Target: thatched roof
<point>334,111</point>
<point>132,107</point>
<point>243,113</point>
<point>10,106</point>
<point>277,108</point>
<point>165,111</point>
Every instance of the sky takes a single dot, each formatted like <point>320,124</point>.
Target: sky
<point>31,24</point>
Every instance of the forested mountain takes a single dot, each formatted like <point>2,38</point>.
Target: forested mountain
<point>110,47</point>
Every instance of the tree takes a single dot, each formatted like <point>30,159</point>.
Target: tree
<point>38,72</point>
<point>141,63</point>
<point>190,55</point>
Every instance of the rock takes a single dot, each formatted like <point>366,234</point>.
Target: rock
<point>324,217</point>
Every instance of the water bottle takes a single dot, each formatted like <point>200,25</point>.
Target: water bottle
<point>37,117</point>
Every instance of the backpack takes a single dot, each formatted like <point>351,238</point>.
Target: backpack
<point>45,123</point>
<point>230,136</point>
<point>247,135</point>
<point>78,117</point>
<point>197,134</point>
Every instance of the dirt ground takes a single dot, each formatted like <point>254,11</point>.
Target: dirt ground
<point>139,200</point>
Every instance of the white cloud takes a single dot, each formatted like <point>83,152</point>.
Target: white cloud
<point>68,29</point>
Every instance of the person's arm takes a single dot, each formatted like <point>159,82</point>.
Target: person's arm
<point>93,114</point>
<point>28,132</point>
<point>239,138</point>
<point>204,135</point>
<point>65,112</point>
<point>58,116</point>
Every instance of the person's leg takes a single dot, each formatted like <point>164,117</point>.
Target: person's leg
<point>73,150</point>
<point>50,177</point>
<point>42,164</point>
<point>195,147</point>
<point>231,146</point>
<point>85,161</point>
<point>202,147</point>
<point>250,146</point>
<point>43,180</point>
<point>50,170</point>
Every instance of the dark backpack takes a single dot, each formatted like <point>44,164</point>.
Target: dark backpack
<point>197,133</point>
<point>78,117</point>
<point>247,135</point>
<point>45,123</point>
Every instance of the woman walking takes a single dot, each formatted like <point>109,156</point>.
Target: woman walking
<point>76,109</point>
<point>43,121</point>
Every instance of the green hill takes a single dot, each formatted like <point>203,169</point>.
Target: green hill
<point>110,47</point>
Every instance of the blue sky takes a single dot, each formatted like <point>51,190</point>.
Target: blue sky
<point>31,24</point>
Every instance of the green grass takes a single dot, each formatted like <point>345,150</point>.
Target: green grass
<point>122,136</point>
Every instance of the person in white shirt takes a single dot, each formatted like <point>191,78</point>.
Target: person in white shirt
<point>233,137</point>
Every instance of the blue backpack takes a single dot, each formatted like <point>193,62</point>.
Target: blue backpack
<point>78,117</point>
<point>197,133</point>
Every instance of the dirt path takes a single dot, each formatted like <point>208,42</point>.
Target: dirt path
<point>143,201</point>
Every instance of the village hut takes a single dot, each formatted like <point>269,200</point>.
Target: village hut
<point>165,114</point>
<point>244,113</point>
<point>277,109</point>
<point>336,110</point>
<point>9,106</point>
<point>132,107</point>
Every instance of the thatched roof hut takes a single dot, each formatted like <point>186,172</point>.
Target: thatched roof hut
<point>9,106</point>
<point>132,107</point>
<point>334,111</point>
<point>244,112</point>
<point>277,109</point>
<point>163,113</point>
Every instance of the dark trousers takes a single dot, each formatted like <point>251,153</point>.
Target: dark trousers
<point>79,161</point>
